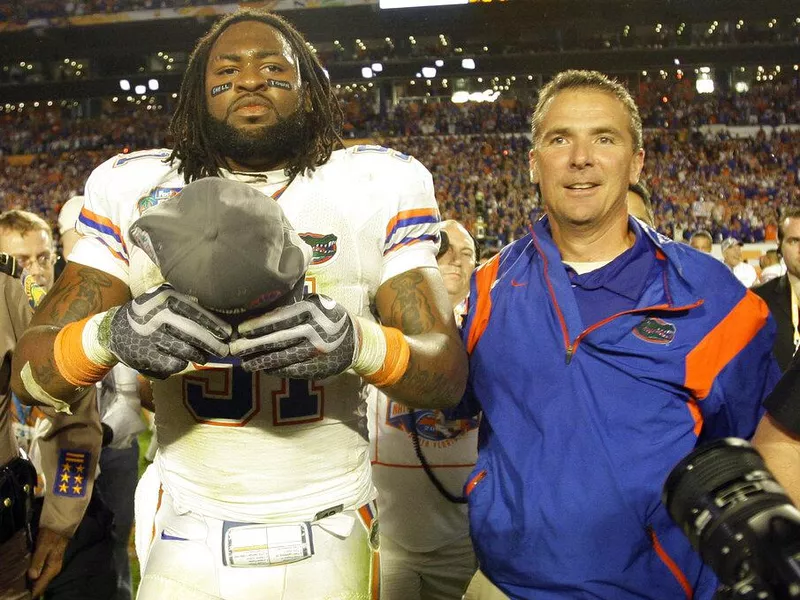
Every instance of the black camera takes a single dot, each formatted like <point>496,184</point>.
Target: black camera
<point>739,519</point>
<point>9,266</point>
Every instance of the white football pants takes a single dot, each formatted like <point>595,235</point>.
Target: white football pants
<point>182,556</point>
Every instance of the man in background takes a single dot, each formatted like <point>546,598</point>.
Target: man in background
<point>732,257</point>
<point>87,571</point>
<point>771,267</point>
<point>702,240</point>
<point>781,294</point>
<point>420,462</point>
<point>65,447</point>
<point>14,525</point>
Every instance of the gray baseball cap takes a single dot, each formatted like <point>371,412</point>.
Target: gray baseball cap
<point>224,243</point>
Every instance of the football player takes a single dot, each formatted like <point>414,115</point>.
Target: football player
<point>265,488</point>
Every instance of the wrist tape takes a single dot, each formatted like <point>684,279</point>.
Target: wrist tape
<point>80,358</point>
<point>383,353</point>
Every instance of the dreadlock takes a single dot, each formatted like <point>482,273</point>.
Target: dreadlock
<point>193,147</point>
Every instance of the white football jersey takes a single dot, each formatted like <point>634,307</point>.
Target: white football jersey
<point>414,514</point>
<point>249,447</point>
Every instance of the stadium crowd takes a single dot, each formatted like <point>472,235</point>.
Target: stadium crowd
<point>478,155</point>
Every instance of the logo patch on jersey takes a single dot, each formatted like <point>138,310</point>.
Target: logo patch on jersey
<point>655,331</point>
<point>431,424</point>
<point>155,196</point>
<point>324,246</point>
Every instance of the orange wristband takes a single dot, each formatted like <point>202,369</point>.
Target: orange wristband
<point>395,364</point>
<point>71,360</point>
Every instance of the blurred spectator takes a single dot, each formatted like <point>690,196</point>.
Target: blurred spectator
<point>771,267</point>
<point>701,240</point>
<point>732,257</point>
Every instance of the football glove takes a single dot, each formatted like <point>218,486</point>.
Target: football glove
<point>314,338</point>
<point>161,331</point>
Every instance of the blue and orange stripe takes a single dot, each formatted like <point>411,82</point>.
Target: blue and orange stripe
<point>407,218</point>
<point>408,241</point>
<point>485,277</point>
<point>105,226</point>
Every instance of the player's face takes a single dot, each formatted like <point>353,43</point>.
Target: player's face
<point>33,251</point>
<point>584,159</point>
<point>790,247</point>
<point>457,264</point>
<point>252,78</point>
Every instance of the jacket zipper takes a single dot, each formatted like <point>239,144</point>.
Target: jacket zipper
<point>572,347</point>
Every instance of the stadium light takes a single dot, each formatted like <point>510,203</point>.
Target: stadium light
<point>439,63</point>
<point>428,72</point>
<point>377,67</point>
<point>153,84</point>
<point>124,85</point>
<point>704,86</point>
<point>140,89</point>
<point>418,3</point>
<point>486,96</point>
<point>366,73</point>
<point>468,63</point>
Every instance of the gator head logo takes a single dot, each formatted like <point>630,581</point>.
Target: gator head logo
<point>324,246</point>
<point>655,331</point>
<point>155,196</point>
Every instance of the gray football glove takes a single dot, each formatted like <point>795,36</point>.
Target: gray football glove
<point>314,338</point>
<point>159,332</point>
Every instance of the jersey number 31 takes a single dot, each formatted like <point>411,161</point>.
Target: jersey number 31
<point>231,397</point>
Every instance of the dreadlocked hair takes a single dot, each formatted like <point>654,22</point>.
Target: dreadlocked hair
<point>193,146</point>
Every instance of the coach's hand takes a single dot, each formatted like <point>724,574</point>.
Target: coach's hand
<point>161,331</point>
<point>314,338</point>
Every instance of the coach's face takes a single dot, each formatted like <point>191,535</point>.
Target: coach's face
<point>252,77</point>
<point>584,159</point>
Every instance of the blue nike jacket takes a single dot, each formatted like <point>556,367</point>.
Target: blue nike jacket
<point>583,423</point>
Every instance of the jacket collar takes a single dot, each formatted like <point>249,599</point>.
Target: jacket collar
<point>680,291</point>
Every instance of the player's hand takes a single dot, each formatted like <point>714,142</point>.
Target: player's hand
<point>48,557</point>
<point>314,338</point>
<point>161,331</point>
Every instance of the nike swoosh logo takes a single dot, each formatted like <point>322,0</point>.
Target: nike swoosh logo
<point>516,283</point>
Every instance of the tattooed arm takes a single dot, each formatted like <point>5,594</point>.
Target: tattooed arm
<point>416,303</point>
<point>79,292</point>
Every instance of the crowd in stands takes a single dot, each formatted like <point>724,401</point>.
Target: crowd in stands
<point>550,39</point>
<point>477,153</point>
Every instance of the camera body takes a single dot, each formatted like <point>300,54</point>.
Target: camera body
<point>739,519</point>
<point>9,266</point>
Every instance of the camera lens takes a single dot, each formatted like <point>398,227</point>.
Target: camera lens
<point>734,513</point>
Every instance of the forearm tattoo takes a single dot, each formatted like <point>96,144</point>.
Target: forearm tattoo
<point>410,307</point>
<point>424,382</point>
<point>74,302</point>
